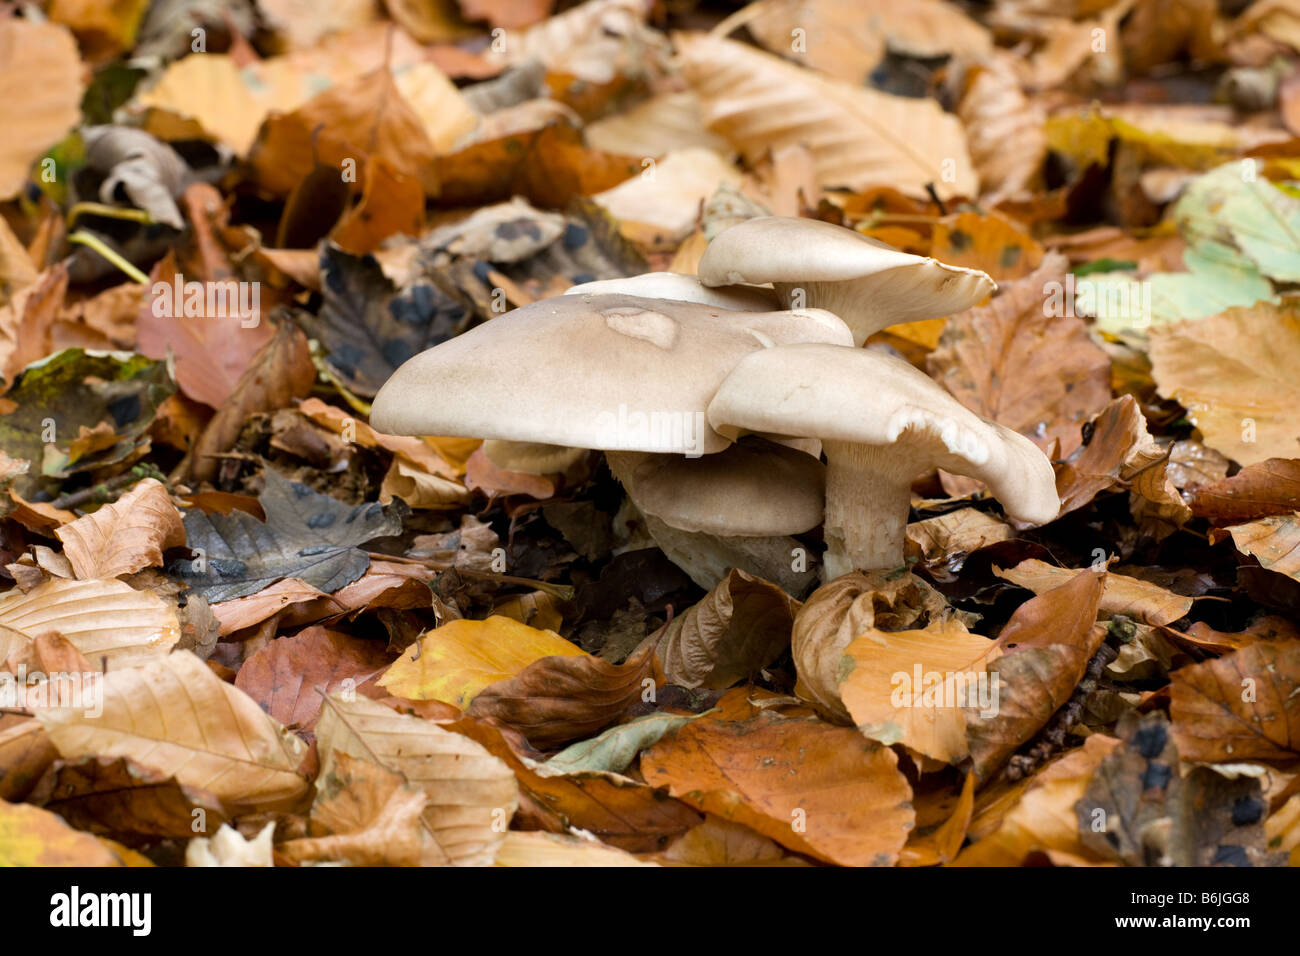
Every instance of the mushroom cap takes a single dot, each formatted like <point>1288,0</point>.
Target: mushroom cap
<point>684,288</point>
<point>605,372</point>
<point>753,488</point>
<point>866,282</point>
<point>866,397</point>
<point>531,458</point>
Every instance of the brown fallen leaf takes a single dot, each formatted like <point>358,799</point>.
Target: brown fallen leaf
<point>1262,490</point>
<point>1042,815</point>
<point>125,535</point>
<point>839,611</point>
<point>559,849</point>
<point>1241,706</point>
<point>735,630</point>
<point>1233,372</point>
<point>1014,362</point>
<point>1046,648</point>
<point>942,842</point>
<point>25,753</point>
<point>471,794</point>
<point>280,372</point>
<point>289,676</point>
<point>948,538</point>
<point>718,842</point>
<point>239,613</point>
<point>909,687</point>
<point>176,716</point>
<point>392,203</point>
<point>125,800</point>
<point>26,322</point>
<point>1274,542</point>
<point>211,352</point>
<point>1131,597</point>
<point>811,786</point>
<point>858,137</point>
<point>107,621</point>
<point>556,700</point>
<point>618,810</point>
<point>41,87</point>
<point>364,815</point>
<point>1004,127</point>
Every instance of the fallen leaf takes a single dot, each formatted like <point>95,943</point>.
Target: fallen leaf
<point>176,716</point>
<point>1121,594</point>
<point>471,794</point>
<point>557,849</point>
<point>125,535</point>
<point>1015,362</point>
<point>1275,542</point>
<point>1266,489</point>
<point>30,836</point>
<point>1232,372</point>
<point>40,83</point>
<point>1241,706</point>
<point>810,786</point>
<point>455,662</point>
<point>738,628</point>
<point>858,137</point>
<point>306,535</point>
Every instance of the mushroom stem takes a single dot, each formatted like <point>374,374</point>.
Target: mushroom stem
<point>868,498</point>
<point>834,297</point>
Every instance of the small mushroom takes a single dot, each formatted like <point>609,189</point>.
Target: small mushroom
<point>737,508</point>
<point>684,288</point>
<point>869,284</point>
<point>882,423</point>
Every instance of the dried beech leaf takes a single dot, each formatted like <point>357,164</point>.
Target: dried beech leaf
<point>176,716</point>
<point>736,630</point>
<point>471,794</point>
<point>125,535</point>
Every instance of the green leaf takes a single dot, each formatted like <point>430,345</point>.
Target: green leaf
<point>615,749</point>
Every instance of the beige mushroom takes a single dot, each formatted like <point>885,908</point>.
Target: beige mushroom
<point>882,423</point>
<point>684,288</point>
<point>737,508</point>
<point>869,284</point>
<point>603,372</point>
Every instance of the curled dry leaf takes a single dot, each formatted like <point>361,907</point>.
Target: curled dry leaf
<point>1046,645</point>
<point>119,798</point>
<point>124,536</point>
<point>851,801</point>
<point>858,136</point>
<point>1241,706</point>
<point>364,815</point>
<point>1043,816</point>
<point>281,371</point>
<point>948,538</point>
<point>471,794</point>
<point>555,700</point>
<point>455,662</point>
<point>25,753</point>
<point>1131,597</point>
<point>1274,542</point>
<point>838,612</point>
<point>1005,129</point>
<point>109,622</point>
<point>735,630</point>
<point>176,716</point>
<point>1016,362</point>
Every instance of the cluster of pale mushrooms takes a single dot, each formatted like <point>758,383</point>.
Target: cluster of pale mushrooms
<point>714,406</point>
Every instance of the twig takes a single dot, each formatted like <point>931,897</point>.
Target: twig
<point>81,237</point>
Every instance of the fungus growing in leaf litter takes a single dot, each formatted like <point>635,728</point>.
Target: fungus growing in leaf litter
<point>869,284</point>
<point>882,423</point>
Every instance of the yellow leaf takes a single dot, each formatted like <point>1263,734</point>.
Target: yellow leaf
<point>454,662</point>
<point>30,836</point>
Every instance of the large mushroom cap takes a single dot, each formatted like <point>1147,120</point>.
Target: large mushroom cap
<point>867,283</point>
<point>605,372</point>
<point>863,397</point>
<point>754,488</point>
<point>684,288</point>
